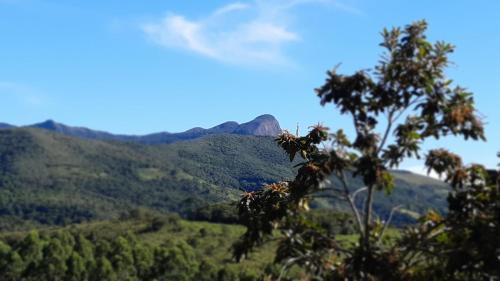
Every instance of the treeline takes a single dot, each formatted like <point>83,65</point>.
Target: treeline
<point>331,221</point>
<point>63,255</point>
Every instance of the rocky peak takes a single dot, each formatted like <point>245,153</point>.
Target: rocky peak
<point>264,125</point>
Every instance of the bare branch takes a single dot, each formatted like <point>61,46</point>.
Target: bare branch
<point>403,110</point>
<point>390,121</point>
<point>351,203</point>
<point>388,222</point>
<point>353,195</point>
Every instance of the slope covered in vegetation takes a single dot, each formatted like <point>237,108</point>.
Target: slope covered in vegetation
<point>55,179</point>
<point>137,248</point>
<point>49,178</point>
<point>142,245</point>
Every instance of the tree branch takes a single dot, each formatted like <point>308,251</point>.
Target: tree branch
<point>287,264</point>
<point>351,203</point>
<point>353,195</point>
<point>390,121</point>
<point>388,222</point>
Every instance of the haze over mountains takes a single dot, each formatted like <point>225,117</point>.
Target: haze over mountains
<point>264,125</point>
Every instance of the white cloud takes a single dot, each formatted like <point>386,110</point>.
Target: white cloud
<point>176,31</point>
<point>254,33</point>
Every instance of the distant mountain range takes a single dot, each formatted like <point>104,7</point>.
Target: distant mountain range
<point>5,126</point>
<point>264,125</point>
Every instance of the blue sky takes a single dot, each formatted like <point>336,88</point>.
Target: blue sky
<point>147,66</point>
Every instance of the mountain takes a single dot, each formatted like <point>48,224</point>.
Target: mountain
<point>264,125</point>
<point>79,132</point>
<point>51,178</point>
<point>6,126</point>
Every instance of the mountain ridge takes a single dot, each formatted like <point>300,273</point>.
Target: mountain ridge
<point>6,126</point>
<point>263,125</point>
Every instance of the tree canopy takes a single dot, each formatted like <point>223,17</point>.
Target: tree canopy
<point>396,106</point>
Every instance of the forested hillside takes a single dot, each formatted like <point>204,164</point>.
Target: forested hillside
<point>48,178</point>
<point>136,248</point>
<point>54,179</point>
<point>142,245</point>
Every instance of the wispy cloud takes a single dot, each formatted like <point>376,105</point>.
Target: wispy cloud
<point>231,8</point>
<point>22,93</point>
<point>253,33</point>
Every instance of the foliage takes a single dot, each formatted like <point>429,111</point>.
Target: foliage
<point>404,101</point>
<point>62,260</point>
<point>123,250</point>
<point>464,245</point>
<point>201,246</point>
<point>222,212</point>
